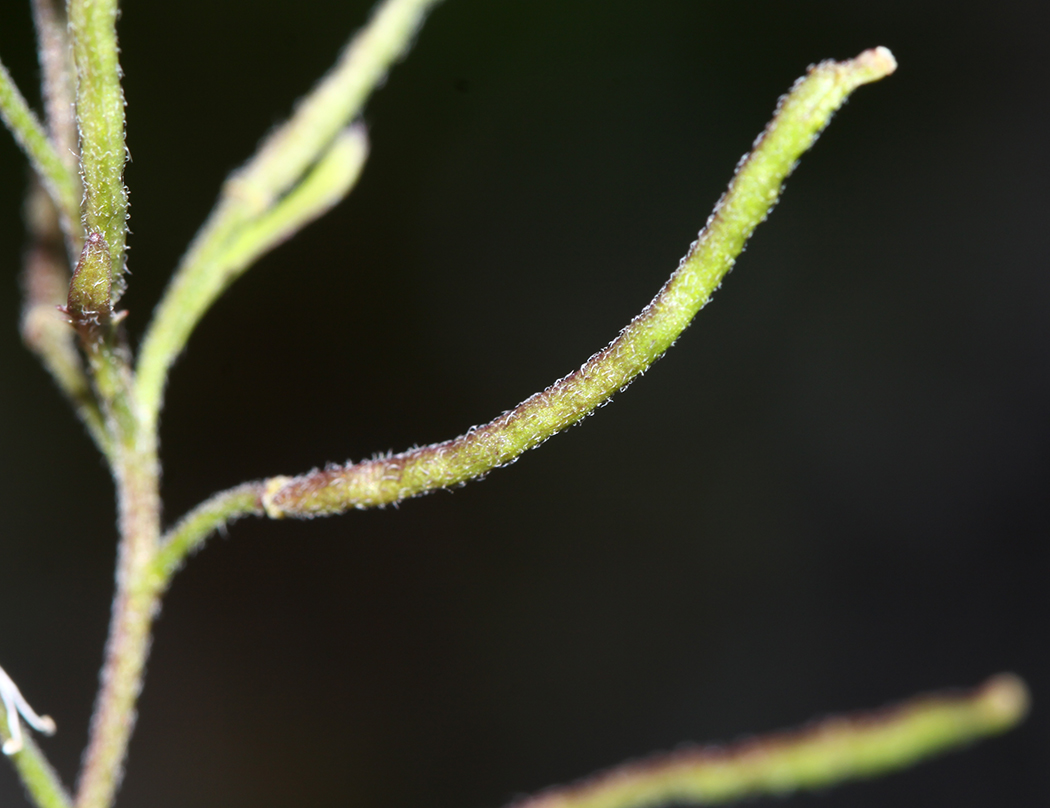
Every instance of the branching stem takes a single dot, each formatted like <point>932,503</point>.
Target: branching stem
<point>301,170</point>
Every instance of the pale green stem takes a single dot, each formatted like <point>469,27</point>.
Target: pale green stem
<point>323,187</point>
<point>337,99</point>
<point>59,181</point>
<point>199,523</point>
<point>799,119</point>
<point>824,754</point>
<point>138,597</point>
<point>39,779</point>
<point>277,166</point>
<point>100,117</point>
<point>45,330</point>
<point>193,290</point>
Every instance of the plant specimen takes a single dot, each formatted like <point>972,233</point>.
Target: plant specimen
<point>73,321</point>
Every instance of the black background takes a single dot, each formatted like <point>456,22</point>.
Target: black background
<point>831,494</point>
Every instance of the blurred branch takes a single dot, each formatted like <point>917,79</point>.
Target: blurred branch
<point>45,331</point>
<point>49,18</point>
<point>823,754</point>
<point>29,134</point>
<point>193,292</point>
<point>280,164</point>
<point>56,67</point>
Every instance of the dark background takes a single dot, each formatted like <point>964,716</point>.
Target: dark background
<point>831,494</point>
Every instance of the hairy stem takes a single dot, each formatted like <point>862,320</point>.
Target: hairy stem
<point>134,607</point>
<point>824,754</point>
<point>198,524</point>
<point>799,119</point>
<point>100,117</point>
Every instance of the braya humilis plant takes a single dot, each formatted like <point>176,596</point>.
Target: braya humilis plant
<point>75,275</point>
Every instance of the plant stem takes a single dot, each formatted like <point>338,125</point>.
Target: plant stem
<point>279,164</point>
<point>57,74</point>
<point>59,104</point>
<point>134,607</point>
<point>100,117</point>
<point>40,780</point>
<point>197,525</point>
<point>136,473</point>
<point>56,177</point>
<point>824,754</point>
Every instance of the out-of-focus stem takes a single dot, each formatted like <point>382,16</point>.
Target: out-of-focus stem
<point>136,473</point>
<point>824,754</point>
<point>59,180</point>
<point>56,67</point>
<point>193,291</point>
<point>45,330</point>
<point>279,164</point>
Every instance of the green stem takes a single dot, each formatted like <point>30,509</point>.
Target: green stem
<point>40,780</point>
<point>198,524</point>
<point>824,754</point>
<point>137,475</point>
<point>200,281</point>
<point>59,181</point>
<point>279,164</point>
<point>100,117</point>
<point>799,119</point>
<point>135,605</point>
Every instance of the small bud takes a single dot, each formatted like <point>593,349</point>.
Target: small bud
<point>89,303</point>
